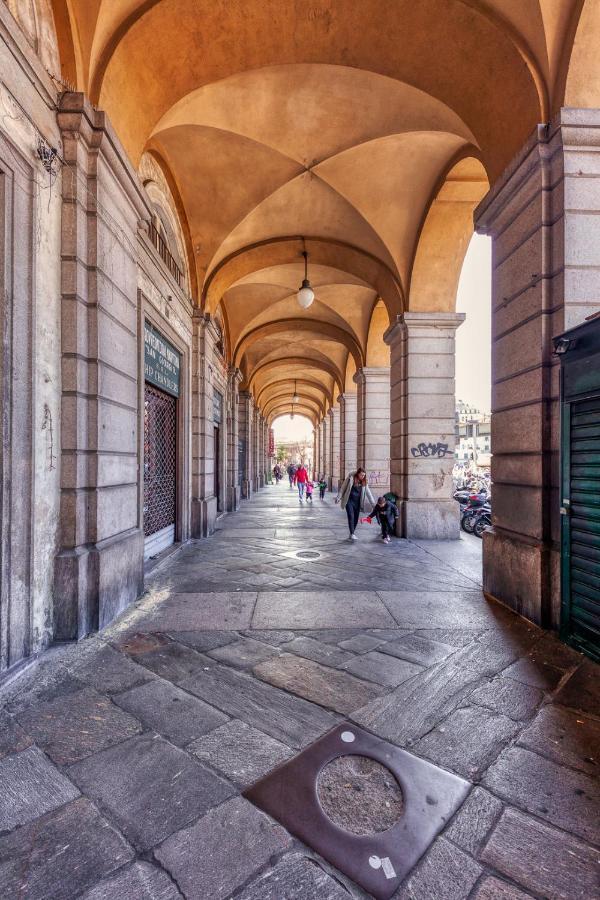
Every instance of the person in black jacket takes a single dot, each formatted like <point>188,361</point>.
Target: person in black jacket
<point>386,514</point>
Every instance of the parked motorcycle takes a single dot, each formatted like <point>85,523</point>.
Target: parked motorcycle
<point>482,521</point>
<point>473,507</point>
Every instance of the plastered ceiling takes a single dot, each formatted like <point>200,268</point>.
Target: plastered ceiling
<point>364,131</point>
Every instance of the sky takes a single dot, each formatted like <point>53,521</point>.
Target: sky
<point>473,339</point>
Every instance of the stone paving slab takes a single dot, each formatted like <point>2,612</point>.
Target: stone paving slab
<point>197,611</point>
<point>284,717</point>
<point>12,737</point>
<point>150,787</point>
<point>222,851</point>
<point>140,881</point>
<point>566,737</point>
<point>382,669</point>
<point>445,873</point>
<point>467,741</point>
<point>174,661</point>
<point>105,669</point>
<point>76,725</point>
<point>60,855</point>
<point>538,674</point>
<point>494,889</point>
<point>566,798</point>
<point>275,638</point>
<point>474,821</point>
<point>295,877</point>
<point>418,704</point>
<point>326,654</point>
<point>171,712</point>
<point>543,859</point>
<point>29,787</point>
<point>330,688</point>
<point>305,609</point>
<point>244,754</point>
<point>509,698</point>
<point>582,690</point>
<point>361,643</point>
<point>202,641</point>
<point>418,649</point>
<point>448,609</point>
<point>244,654</point>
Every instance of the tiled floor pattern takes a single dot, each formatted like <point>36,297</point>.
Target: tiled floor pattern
<point>122,759</point>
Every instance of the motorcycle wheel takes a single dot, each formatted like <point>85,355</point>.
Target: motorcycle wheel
<point>480,527</point>
<point>467,524</point>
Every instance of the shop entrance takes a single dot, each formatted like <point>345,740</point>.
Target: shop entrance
<point>161,391</point>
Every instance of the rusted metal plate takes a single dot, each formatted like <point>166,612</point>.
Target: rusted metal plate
<point>376,862</point>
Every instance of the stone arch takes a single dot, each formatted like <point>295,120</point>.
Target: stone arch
<point>302,410</point>
<point>445,234</point>
<point>319,329</point>
<point>378,352</point>
<point>581,71</point>
<point>288,381</point>
<point>288,249</point>
<point>301,361</point>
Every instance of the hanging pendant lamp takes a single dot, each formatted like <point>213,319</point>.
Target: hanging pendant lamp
<point>295,397</point>
<point>305,295</point>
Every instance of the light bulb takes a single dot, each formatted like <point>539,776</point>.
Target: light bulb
<point>295,398</point>
<point>305,295</point>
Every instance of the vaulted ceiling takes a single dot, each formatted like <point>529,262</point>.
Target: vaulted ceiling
<point>364,132</point>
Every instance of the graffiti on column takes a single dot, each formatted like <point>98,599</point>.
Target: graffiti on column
<point>438,450</point>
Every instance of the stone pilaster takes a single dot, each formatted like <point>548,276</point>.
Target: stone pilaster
<point>255,452</point>
<point>373,425</point>
<point>326,449</point>
<point>204,500</point>
<point>336,471</point>
<point>348,434</point>
<point>422,422</point>
<point>246,416</point>
<point>233,473</point>
<point>98,568</point>
<point>543,217</point>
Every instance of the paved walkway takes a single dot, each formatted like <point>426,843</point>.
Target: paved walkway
<point>122,759</point>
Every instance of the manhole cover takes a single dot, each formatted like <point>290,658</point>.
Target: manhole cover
<point>359,794</point>
<point>308,554</point>
<point>379,857</point>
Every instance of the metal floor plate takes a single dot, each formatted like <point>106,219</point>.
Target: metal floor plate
<point>377,862</point>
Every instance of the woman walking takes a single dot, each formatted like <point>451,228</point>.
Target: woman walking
<point>354,494</point>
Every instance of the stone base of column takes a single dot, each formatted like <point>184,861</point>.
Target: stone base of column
<point>261,480</point>
<point>435,520</point>
<point>92,585</point>
<point>233,498</point>
<point>255,484</point>
<point>204,517</point>
<point>246,490</point>
<point>523,575</point>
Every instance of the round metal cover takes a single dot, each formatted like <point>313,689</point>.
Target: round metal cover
<point>308,554</point>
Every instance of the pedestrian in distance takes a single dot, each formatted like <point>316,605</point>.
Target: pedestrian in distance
<point>354,494</point>
<point>277,473</point>
<point>301,479</point>
<point>291,470</point>
<point>309,490</point>
<point>386,514</point>
<point>322,487</point>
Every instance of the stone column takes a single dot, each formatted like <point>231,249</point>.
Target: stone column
<point>543,217</point>
<point>261,449</point>
<point>204,500</point>
<point>245,415</point>
<point>269,460</point>
<point>326,444</point>
<point>348,434</point>
<point>422,422</point>
<point>255,455</point>
<point>233,474</point>
<point>336,447</point>
<point>373,425</point>
<point>98,566</point>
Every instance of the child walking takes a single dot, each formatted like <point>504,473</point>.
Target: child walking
<point>322,487</point>
<point>309,490</point>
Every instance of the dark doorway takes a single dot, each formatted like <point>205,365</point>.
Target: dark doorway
<point>160,469</point>
<point>580,507</point>
<point>218,467</point>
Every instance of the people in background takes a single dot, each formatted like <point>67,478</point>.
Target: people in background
<point>322,486</point>
<point>386,513</point>
<point>300,479</point>
<point>277,473</point>
<point>354,494</point>
<point>291,470</point>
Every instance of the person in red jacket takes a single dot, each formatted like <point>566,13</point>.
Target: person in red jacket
<point>301,478</point>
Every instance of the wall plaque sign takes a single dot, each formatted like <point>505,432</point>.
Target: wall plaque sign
<point>162,361</point>
<point>217,406</point>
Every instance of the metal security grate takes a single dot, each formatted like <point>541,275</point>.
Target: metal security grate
<point>160,459</point>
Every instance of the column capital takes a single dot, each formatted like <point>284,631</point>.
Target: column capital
<point>235,374</point>
<point>410,321</point>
